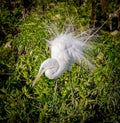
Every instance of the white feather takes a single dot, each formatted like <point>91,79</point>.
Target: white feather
<point>66,49</point>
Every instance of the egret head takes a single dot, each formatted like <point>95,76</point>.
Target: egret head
<point>49,67</point>
<point>43,68</point>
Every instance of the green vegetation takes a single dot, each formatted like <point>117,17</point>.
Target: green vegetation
<point>96,95</point>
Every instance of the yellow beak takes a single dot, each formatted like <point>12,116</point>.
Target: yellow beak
<point>36,79</point>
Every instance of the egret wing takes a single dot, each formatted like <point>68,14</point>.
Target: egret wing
<point>67,47</point>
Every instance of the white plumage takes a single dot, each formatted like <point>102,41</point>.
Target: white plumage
<point>66,49</point>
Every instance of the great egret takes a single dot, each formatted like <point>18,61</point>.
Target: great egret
<point>66,49</point>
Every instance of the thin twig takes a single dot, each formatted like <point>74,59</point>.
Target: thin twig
<point>71,88</point>
<point>54,96</point>
<point>95,31</point>
<point>100,26</point>
<point>8,74</point>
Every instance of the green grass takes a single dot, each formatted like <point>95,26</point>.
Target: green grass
<point>96,95</point>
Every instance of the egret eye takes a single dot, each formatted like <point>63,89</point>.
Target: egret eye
<point>41,70</point>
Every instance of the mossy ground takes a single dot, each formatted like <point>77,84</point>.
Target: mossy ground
<point>96,95</point>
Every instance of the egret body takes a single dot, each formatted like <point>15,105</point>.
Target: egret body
<point>66,49</point>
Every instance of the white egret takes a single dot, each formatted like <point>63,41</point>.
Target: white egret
<point>66,49</point>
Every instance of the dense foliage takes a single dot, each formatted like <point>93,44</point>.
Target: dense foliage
<point>96,95</point>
